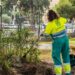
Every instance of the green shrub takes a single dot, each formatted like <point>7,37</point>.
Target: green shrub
<point>20,46</point>
<point>6,18</point>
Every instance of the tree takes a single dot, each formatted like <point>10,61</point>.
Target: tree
<point>8,5</point>
<point>34,7</point>
<point>73,2</point>
<point>66,9</point>
<point>31,8</point>
<point>31,4</point>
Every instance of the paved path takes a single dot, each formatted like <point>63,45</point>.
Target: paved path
<point>48,45</point>
<point>45,46</point>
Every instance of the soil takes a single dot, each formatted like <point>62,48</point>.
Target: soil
<point>42,68</point>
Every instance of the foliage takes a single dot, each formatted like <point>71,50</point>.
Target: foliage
<point>66,9</point>
<point>33,9</point>
<point>8,4</point>
<point>27,45</point>
<point>35,4</point>
<point>6,18</point>
<point>73,2</point>
<point>18,46</point>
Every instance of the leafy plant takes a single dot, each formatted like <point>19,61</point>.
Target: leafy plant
<point>6,18</point>
<point>20,46</point>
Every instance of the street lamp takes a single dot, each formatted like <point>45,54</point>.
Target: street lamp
<point>0,15</point>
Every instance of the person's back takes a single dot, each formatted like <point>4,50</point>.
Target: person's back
<point>57,30</point>
<point>55,26</point>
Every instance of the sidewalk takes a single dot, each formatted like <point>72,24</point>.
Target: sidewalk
<point>45,46</point>
<point>48,45</point>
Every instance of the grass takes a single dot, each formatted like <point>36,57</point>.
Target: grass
<point>72,40</point>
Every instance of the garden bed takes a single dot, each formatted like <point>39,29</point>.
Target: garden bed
<point>42,68</point>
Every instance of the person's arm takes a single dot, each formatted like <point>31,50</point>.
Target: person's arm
<point>48,30</point>
<point>63,20</point>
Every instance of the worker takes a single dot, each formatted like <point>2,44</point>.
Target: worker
<point>60,44</point>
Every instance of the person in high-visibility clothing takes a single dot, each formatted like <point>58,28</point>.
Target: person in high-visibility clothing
<point>60,45</point>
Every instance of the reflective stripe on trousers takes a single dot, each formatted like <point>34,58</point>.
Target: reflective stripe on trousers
<point>67,67</point>
<point>58,69</point>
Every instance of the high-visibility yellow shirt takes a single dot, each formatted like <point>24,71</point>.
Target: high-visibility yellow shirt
<point>55,26</point>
